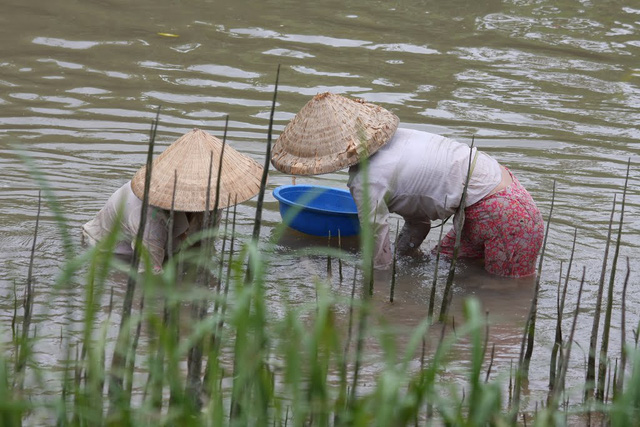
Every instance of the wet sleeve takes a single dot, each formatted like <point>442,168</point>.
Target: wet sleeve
<point>196,223</point>
<point>155,236</point>
<point>378,214</point>
<point>413,233</point>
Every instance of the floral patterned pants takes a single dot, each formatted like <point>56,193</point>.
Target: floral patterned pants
<point>505,228</point>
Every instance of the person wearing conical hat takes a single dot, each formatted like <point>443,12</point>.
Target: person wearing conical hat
<point>190,161</point>
<point>418,175</point>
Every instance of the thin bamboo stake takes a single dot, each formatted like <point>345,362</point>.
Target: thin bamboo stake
<point>510,392</point>
<point>131,358</point>
<point>14,318</point>
<point>395,260</point>
<point>432,295</point>
<point>110,308</point>
<point>229,264</point>
<point>493,354</point>
<point>216,203</point>
<point>116,396</point>
<point>615,373</point>
<point>155,379</point>
<point>209,248</point>
<point>25,349</point>
<point>558,338</point>
<point>366,248</point>
<point>235,408</point>
<point>222,249</point>
<point>555,365</point>
<point>485,343</point>
<point>77,368</point>
<point>267,161</point>
<point>458,222</point>
<point>221,302</point>
<point>171,327</point>
<point>560,380</point>
<point>623,337</point>
<point>534,304</point>
<point>362,327</point>
<point>170,223</point>
<point>340,258</point>
<point>522,370</point>
<point>219,281</point>
<point>368,255</point>
<point>103,353</point>
<point>193,387</point>
<point>214,337</point>
<point>350,327</point>
<point>591,363</point>
<point>604,345</point>
<point>212,367</point>
<point>257,222</point>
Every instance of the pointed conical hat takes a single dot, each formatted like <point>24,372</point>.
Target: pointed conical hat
<point>332,132</point>
<point>190,157</point>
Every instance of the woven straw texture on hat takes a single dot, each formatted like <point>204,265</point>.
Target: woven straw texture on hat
<point>332,132</point>
<point>190,156</point>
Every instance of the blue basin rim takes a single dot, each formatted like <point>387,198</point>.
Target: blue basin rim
<point>279,194</point>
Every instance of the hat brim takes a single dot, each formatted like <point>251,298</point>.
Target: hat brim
<point>332,132</point>
<point>188,162</point>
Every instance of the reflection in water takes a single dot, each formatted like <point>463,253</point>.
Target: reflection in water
<point>549,89</point>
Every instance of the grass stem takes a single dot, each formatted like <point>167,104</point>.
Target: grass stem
<point>591,362</point>
<point>458,223</point>
<point>619,385</point>
<point>604,345</point>
<point>27,306</point>
<point>116,394</point>
<point>395,261</point>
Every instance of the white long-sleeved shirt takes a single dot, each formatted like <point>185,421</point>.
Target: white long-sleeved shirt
<point>155,233</point>
<point>413,175</point>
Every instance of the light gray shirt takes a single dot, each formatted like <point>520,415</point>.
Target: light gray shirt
<point>419,176</point>
<point>155,233</point>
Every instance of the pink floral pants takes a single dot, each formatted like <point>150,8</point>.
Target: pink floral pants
<point>506,229</point>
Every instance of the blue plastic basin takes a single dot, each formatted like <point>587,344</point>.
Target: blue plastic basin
<point>318,210</point>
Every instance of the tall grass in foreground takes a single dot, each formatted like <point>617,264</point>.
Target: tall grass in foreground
<point>290,369</point>
<point>299,367</point>
<point>284,366</point>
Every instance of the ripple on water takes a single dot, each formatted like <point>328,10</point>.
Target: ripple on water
<point>75,44</point>
<point>288,53</point>
<point>88,91</point>
<point>550,89</point>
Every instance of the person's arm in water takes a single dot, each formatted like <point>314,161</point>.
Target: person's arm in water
<point>196,223</point>
<point>155,237</point>
<point>413,233</point>
<point>378,213</point>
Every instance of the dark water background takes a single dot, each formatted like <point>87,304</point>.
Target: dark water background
<point>549,88</point>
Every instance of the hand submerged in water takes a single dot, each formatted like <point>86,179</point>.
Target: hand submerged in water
<point>413,255</point>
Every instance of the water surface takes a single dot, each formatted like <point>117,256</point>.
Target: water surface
<point>549,88</point>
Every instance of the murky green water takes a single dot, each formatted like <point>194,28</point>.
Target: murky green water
<point>549,88</point>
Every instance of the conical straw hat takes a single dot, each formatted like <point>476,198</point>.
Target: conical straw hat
<point>330,133</point>
<point>190,157</point>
